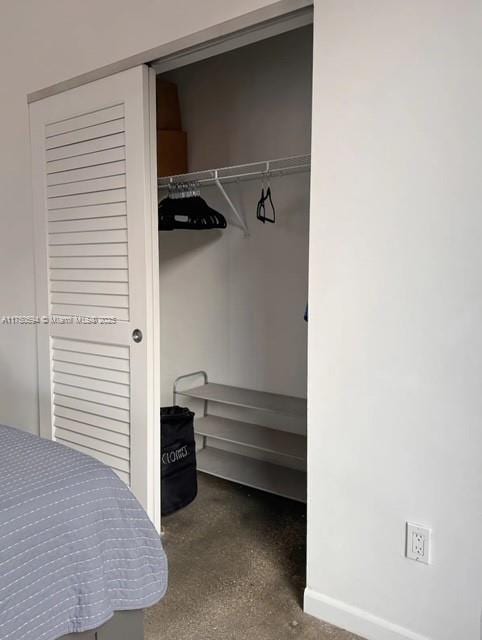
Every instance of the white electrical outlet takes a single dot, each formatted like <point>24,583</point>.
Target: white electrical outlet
<point>418,543</point>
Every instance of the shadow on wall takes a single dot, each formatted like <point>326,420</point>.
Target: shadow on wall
<point>174,245</point>
<point>18,391</point>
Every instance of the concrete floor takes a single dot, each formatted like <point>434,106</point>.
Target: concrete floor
<point>236,570</point>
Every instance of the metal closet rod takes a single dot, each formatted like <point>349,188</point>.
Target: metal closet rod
<point>263,169</point>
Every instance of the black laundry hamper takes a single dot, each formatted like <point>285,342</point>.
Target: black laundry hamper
<point>178,459</point>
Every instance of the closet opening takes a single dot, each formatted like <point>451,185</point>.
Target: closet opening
<point>233,145</point>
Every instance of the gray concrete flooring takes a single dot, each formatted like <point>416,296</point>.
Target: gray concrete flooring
<point>236,570</point>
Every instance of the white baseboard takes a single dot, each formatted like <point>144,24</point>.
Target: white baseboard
<point>355,620</point>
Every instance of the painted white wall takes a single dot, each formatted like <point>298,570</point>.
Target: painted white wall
<point>231,305</point>
<point>42,43</point>
<point>395,337</point>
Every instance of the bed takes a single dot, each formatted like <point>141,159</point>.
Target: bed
<point>77,551</point>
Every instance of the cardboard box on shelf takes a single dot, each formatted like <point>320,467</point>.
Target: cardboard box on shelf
<point>167,106</point>
<point>171,153</point>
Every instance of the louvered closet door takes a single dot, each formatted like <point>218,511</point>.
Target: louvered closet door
<point>94,187</point>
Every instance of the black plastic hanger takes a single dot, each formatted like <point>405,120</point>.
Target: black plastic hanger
<point>261,207</point>
<point>184,208</point>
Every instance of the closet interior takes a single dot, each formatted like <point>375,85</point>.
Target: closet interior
<point>233,178</point>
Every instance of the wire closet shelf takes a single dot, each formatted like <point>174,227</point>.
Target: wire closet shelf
<point>236,173</point>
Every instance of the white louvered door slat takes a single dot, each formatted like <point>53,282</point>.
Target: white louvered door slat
<point>103,249</point>
<point>94,186</point>
<point>55,167</point>
<point>84,199</point>
<point>91,372</point>
<point>88,120</point>
<point>86,186</point>
<point>105,170</point>
<point>93,132</point>
<point>96,211</point>
<point>87,147</point>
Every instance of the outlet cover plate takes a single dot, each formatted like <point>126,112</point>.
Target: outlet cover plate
<point>418,540</point>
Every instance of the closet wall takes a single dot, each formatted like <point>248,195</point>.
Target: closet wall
<point>233,305</point>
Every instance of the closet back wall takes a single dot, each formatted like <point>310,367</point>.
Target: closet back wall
<point>229,304</point>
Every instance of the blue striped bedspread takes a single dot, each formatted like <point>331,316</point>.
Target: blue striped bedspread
<point>75,545</point>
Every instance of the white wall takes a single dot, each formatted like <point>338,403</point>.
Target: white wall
<point>396,315</point>
<point>42,43</point>
<point>231,305</point>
